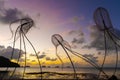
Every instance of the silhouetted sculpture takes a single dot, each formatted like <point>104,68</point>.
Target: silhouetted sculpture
<point>20,33</point>
<point>113,77</point>
<point>58,40</point>
<point>103,22</point>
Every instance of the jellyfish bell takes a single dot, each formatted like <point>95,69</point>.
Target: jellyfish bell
<point>27,21</point>
<point>26,25</point>
<point>102,19</point>
<point>103,22</point>
<point>57,39</point>
<point>66,45</point>
<point>22,29</point>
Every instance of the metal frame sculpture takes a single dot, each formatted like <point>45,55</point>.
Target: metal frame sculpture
<point>20,33</point>
<point>58,40</point>
<point>103,22</point>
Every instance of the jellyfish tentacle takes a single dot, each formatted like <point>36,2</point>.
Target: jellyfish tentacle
<point>116,59</point>
<point>25,55</point>
<point>56,44</point>
<point>114,35</point>
<point>20,33</point>
<point>14,43</point>
<point>11,27</point>
<point>22,29</point>
<point>116,49</point>
<point>66,44</point>
<point>12,51</point>
<point>103,20</point>
<point>104,59</point>
<point>75,75</point>
<point>68,47</point>
<point>35,53</point>
<point>28,21</point>
<point>17,59</point>
<point>59,57</point>
<point>115,43</point>
<point>87,60</point>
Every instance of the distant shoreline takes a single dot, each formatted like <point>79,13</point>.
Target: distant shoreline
<point>64,67</point>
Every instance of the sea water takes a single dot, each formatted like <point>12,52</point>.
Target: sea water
<point>55,73</point>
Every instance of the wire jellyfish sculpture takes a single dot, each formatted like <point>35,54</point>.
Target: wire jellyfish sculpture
<point>20,33</point>
<point>58,40</point>
<point>103,22</point>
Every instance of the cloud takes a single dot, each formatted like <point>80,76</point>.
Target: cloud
<point>40,56</point>
<point>9,15</point>
<point>78,18</point>
<point>50,59</point>
<point>76,32</point>
<point>72,32</point>
<point>78,38</point>
<point>97,39</point>
<point>7,52</point>
<point>91,57</point>
<point>78,41</point>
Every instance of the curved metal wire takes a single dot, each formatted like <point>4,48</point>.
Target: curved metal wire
<point>17,59</point>
<point>59,43</point>
<point>12,51</point>
<point>87,60</point>
<point>105,44</point>
<point>25,55</point>
<point>35,54</point>
<point>56,44</point>
<point>102,20</point>
<point>20,36</point>
<point>116,49</point>
<point>25,26</point>
<point>59,58</point>
<point>66,47</point>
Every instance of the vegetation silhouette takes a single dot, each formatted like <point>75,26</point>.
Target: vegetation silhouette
<point>20,33</point>
<point>5,62</point>
<point>58,40</point>
<point>103,22</point>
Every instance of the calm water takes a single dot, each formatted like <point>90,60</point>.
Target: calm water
<point>56,73</point>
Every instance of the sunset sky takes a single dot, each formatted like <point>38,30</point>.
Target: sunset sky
<point>72,19</point>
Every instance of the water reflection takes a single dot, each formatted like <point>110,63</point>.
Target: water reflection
<point>55,73</point>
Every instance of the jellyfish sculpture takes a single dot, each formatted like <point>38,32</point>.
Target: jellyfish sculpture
<point>20,33</point>
<point>103,23</point>
<point>58,40</point>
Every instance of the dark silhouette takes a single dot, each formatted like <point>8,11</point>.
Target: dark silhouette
<point>20,33</point>
<point>103,22</point>
<point>56,44</point>
<point>113,77</point>
<point>25,25</point>
<point>58,40</point>
<point>5,62</point>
